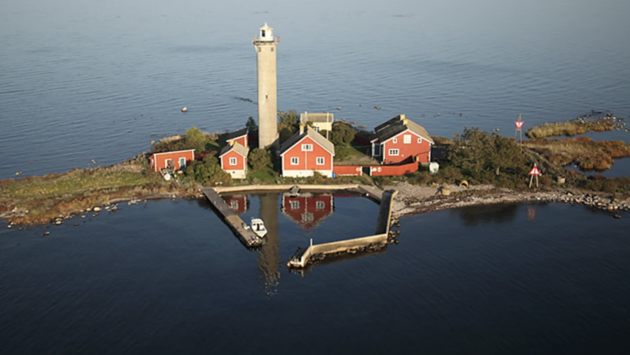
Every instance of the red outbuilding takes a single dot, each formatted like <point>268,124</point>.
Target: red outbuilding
<point>305,153</point>
<point>238,203</point>
<point>175,160</point>
<point>240,136</point>
<point>234,160</point>
<point>401,140</point>
<point>307,210</point>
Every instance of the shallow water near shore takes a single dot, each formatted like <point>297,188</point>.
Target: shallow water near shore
<point>171,277</point>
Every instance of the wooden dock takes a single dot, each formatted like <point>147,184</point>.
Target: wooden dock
<point>246,236</point>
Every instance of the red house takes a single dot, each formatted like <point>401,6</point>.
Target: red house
<point>307,210</point>
<point>175,160</point>
<point>305,153</point>
<point>234,160</point>
<point>401,140</point>
<point>240,136</point>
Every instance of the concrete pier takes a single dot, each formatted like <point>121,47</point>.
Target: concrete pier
<point>246,236</point>
<point>373,242</point>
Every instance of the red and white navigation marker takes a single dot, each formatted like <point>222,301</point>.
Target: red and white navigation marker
<point>519,125</point>
<point>534,172</point>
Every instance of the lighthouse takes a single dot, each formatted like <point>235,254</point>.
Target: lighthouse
<point>265,45</point>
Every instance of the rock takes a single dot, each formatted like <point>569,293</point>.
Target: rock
<point>617,215</point>
<point>185,109</point>
<point>97,209</point>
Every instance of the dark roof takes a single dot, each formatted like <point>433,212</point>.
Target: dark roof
<point>398,125</point>
<point>318,138</point>
<point>236,134</point>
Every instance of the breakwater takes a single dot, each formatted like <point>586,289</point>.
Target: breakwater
<point>316,252</point>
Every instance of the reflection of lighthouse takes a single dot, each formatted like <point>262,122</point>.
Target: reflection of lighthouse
<point>269,255</point>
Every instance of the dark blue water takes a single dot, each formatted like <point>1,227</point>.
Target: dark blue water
<point>171,278</point>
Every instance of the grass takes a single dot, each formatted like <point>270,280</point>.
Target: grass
<point>48,197</point>
<point>575,127</point>
<point>583,151</point>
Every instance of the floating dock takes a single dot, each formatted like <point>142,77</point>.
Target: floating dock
<point>374,242</point>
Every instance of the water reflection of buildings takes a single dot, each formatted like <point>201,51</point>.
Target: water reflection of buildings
<point>307,210</point>
<point>269,256</point>
<point>238,203</point>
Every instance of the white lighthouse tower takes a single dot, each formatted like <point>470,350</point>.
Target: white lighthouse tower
<point>265,45</point>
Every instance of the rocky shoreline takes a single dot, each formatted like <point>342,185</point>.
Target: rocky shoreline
<point>413,199</point>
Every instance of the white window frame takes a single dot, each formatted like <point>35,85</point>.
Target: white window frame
<point>168,162</point>
<point>182,162</point>
<point>307,147</point>
<point>407,139</point>
<point>322,159</point>
<point>233,161</point>
<point>295,204</point>
<point>395,140</point>
<point>392,151</point>
<point>377,150</point>
<point>320,205</point>
<point>295,161</point>
<point>419,140</point>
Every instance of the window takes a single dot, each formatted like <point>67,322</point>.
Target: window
<point>393,152</point>
<point>295,205</point>
<point>169,163</point>
<point>263,33</point>
<point>419,140</point>
<point>395,140</point>
<point>320,205</point>
<point>295,160</point>
<point>182,163</point>
<point>407,139</point>
<point>272,49</point>
<point>316,128</point>
<point>307,217</point>
<point>259,49</point>
<point>320,160</point>
<point>234,205</point>
<point>232,161</point>
<point>307,147</point>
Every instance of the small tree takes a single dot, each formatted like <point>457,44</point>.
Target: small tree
<point>251,124</point>
<point>259,159</point>
<point>289,120</point>
<point>208,171</point>
<point>342,133</point>
<point>195,139</point>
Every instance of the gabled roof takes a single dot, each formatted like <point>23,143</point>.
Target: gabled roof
<point>314,135</point>
<point>317,117</point>
<point>239,133</point>
<point>398,125</point>
<point>237,147</point>
<point>175,151</point>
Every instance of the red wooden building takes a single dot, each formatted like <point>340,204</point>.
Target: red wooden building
<point>307,210</point>
<point>241,136</point>
<point>175,160</point>
<point>234,160</point>
<point>305,153</point>
<point>401,140</point>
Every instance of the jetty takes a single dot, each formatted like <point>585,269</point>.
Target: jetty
<point>378,241</point>
<point>246,236</point>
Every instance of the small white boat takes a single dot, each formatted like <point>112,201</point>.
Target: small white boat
<point>259,227</point>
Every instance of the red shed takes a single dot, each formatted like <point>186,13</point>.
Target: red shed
<point>234,160</point>
<point>305,153</point>
<point>240,136</point>
<point>307,210</point>
<point>176,160</point>
<point>399,140</point>
<point>238,203</point>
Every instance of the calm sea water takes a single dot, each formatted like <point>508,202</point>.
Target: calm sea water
<point>82,81</point>
<point>170,277</point>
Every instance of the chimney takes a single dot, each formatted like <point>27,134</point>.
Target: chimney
<point>403,119</point>
<point>302,128</point>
